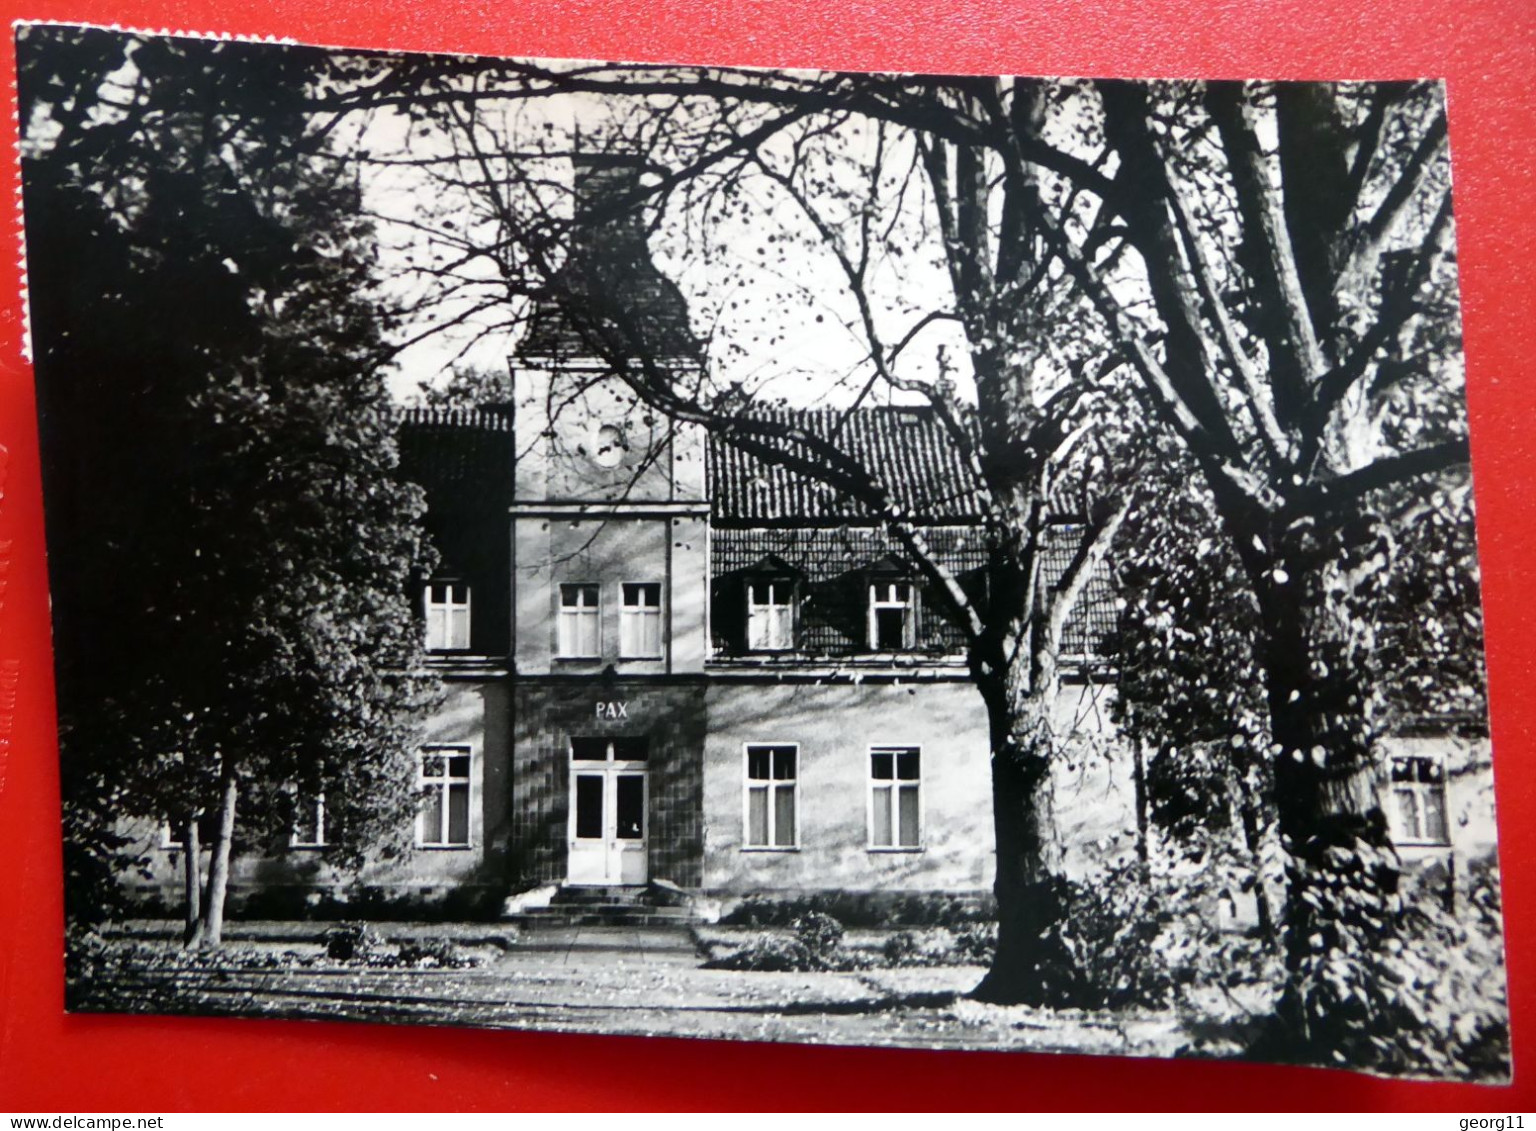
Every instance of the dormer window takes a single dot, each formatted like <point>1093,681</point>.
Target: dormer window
<point>770,614</point>
<point>892,615</point>
<point>447,606</point>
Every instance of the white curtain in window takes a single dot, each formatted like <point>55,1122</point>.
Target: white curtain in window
<point>770,616</point>
<point>578,624</point>
<point>640,621</point>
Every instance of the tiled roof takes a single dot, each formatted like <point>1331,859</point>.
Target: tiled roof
<point>1093,617</point>
<point>832,564</point>
<point>463,457</point>
<point>469,446</point>
<point>908,448</point>
<point>608,285</point>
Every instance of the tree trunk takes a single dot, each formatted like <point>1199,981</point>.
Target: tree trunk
<point>218,866</point>
<point>192,882</point>
<point>1033,965</point>
<point>1342,871</point>
<point>1253,840</point>
<point>1139,782</point>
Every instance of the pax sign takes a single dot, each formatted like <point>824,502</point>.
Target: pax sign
<point>616,709</point>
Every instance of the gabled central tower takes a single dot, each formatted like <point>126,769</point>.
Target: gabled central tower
<point>610,558</point>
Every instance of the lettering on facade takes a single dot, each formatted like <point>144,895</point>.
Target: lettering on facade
<point>612,709</point>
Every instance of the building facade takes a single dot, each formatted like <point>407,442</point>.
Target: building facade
<point>669,664</point>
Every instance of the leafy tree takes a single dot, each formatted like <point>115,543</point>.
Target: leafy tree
<point>1310,366</point>
<point>1188,688</point>
<point>469,386</point>
<point>1273,263</point>
<point>229,546</point>
<point>1189,684</point>
<point>902,220</point>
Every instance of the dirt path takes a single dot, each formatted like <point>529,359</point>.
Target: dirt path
<point>625,981</point>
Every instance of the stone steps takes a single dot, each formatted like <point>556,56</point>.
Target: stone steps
<point>549,919</point>
<point>603,907</point>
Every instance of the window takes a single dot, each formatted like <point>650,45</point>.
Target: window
<point>447,616</point>
<point>207,829</point>
<point>609,446</point>
<point>308,822</point>
<point>895,814</point>
<point>891,620</point>
<point>771,781</point>
<point>770,615</point>
<point>444,780</point>
<point>578,631</point>
<point>640,621</point>
<point>610,748</point>
<point>1418,800</point>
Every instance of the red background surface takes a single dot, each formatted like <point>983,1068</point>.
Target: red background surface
<point>1487,51</point>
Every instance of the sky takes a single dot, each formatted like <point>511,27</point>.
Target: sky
<point>763,286</point>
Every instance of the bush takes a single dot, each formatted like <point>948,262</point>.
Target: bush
<point>1111,932</point>
<point>934,947</point>
<point>433,952</point>
<point>817,944</point>
<point>901,949</point>
<point>768,953</point>
<point>819,934</point>
<point>1429,1001</point>
<point>976,943</point>
<point>863,909</point>
<point>351,942</point>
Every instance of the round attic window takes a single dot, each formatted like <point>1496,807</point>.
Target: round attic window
<point>608,446</point>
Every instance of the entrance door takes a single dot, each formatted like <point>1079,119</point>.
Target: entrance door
<point>608,811</point>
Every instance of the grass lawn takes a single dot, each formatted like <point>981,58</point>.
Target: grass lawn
<point>607,980</point>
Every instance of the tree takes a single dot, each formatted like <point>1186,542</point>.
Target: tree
<point>1188,687</point>
<point>1309,364</point>
<point>468,386</point>
<point>869,199</point>
<point>1273,263</point>
<point>230,548</point>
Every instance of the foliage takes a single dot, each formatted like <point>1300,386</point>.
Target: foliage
<point>858,909</point>
<point>816,944</point>
<point>1110,932</point>
<point>361,944</point>
<point>974,944</point>
<point>104,971</point>
<point>819,934</point>
<point>1428,615</point>
<point>346,942</point>
<point>443,953</point>
<point>230,548</point>
<point>977,942</point>
<point>96,856</point>
<point>1426,999</point>
<point>1190,687</point>
<point>469,386</point>
<point>1145,937</point>
<point>908,948</point>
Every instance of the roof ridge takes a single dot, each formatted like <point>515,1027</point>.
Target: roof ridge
<point>491,420</point>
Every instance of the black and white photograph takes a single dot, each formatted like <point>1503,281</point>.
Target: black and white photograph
<point>938,561</point>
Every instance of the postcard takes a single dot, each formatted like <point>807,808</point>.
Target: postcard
<point>879,559</point>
